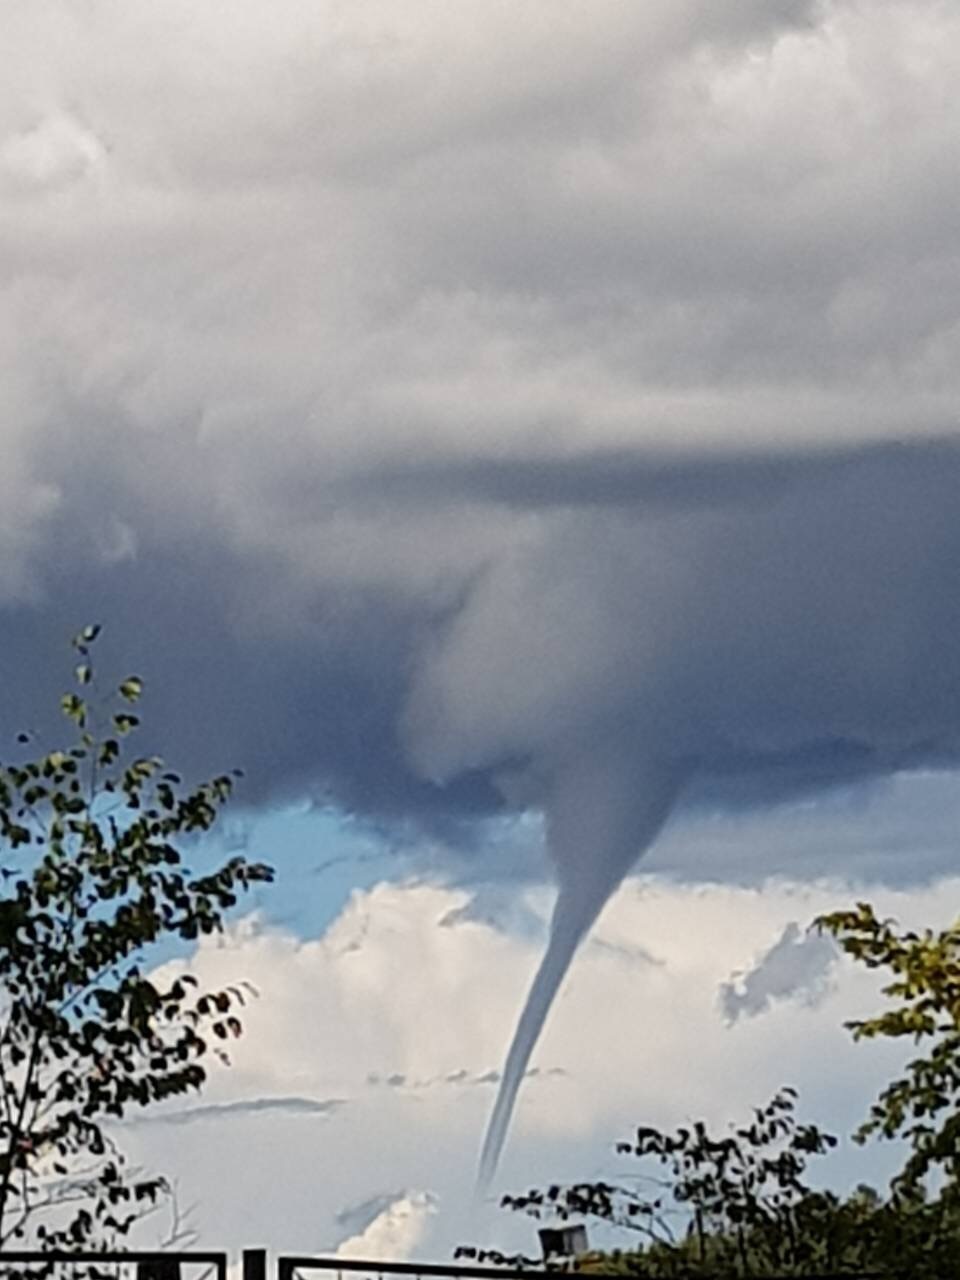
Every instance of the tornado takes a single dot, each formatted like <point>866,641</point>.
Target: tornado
<point>602,811</point>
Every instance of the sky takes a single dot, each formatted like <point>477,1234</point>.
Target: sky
<point>515,436</point>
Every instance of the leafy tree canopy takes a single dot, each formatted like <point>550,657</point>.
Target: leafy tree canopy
<point>923,1105</point>
<point>92,840</point>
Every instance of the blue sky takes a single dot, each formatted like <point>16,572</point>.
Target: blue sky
<point>516,439</point>
<point>319,859</point>
<point>899,831</point>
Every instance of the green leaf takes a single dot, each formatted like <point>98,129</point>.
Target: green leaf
<point>131,689</point>
<point>74,708</point>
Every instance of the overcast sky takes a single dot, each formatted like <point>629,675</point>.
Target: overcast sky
<point>464,414</point>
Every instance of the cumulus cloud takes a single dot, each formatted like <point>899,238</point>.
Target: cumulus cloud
<point>635,1044</point>
<point>798,966</point>
<point>395,1232</point>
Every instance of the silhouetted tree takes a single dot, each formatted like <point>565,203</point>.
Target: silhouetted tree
<point>93,876</point>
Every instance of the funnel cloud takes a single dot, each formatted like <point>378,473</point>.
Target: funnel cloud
<point>601,814</point>
<point>453,412</point>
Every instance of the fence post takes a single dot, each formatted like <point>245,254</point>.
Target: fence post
<point>254,1264</point>
<point>159,1269</point>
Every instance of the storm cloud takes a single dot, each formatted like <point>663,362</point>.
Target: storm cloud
<point>456,409</point>
<point>418,397</point>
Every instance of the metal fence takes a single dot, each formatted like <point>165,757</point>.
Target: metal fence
<point>294,1268</point>
<point>119,1265</point>
<point>257,1264</point>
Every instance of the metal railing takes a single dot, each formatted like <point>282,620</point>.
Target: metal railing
<point>294,1268</point>
<point>122,1264</point>
<point>160,1265</point>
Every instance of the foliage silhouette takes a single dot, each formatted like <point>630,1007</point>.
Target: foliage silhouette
<point>923,1105</point>
<point>739,1205</point>
<point>93,876</point>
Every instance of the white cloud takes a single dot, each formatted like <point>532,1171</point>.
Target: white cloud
<point>797,966</point>
<point>396,1232</point>
<point>57,150</point>
<point>391,988</point>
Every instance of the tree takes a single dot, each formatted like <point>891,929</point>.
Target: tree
<point>93,877</point>
<point>923,1105</point>
<point>738,1205</point>
<point>729,1205</point>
